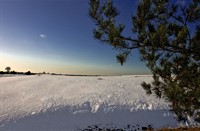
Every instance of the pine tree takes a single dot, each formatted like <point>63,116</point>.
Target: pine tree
<point>168,39</point>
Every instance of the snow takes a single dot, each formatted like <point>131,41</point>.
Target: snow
<point>68,103</point>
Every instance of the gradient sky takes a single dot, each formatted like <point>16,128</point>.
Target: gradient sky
<point>56,36</point>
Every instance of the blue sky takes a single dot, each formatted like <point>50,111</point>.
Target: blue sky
<point>56,36</point>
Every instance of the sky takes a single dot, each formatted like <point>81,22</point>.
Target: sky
<point>55,36</point>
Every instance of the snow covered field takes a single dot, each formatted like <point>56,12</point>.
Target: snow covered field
<point>68,103</point>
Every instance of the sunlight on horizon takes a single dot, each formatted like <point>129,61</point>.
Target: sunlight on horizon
<point>24,64</point>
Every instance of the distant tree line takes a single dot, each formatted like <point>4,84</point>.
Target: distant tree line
<point>15,72</point>
<point>8,71</point>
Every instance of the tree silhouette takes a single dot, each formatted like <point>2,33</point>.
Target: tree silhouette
<point>8,69</point>
<point>167,36</point>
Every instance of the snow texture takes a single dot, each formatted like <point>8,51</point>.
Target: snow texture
<point>68,103</point>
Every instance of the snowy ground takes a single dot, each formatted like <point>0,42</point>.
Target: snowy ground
<point>68,103</point>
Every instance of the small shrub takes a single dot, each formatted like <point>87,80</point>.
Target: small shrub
<point>28,73</point>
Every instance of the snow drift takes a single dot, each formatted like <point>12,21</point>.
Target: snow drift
<point>68,103</point>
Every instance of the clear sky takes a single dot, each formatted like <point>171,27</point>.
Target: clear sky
<point>56,36</point>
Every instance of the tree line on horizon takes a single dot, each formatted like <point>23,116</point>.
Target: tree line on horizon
<point>8,71</point>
